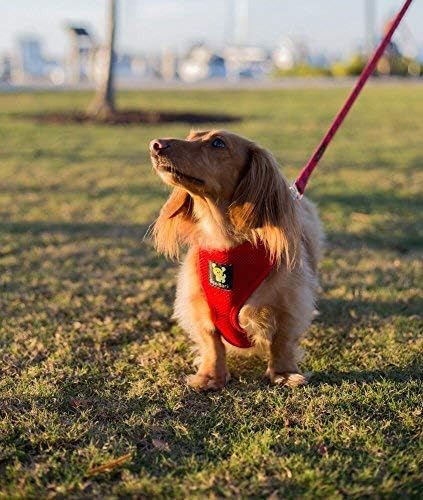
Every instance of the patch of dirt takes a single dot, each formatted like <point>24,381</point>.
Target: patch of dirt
<point>126,117</point>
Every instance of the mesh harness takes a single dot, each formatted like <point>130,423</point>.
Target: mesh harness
<point>228,278</point>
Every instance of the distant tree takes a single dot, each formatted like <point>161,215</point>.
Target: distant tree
<point>103,104</point>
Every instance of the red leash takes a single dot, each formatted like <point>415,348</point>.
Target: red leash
<point>300,184</point>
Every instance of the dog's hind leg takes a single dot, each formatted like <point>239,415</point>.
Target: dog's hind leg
<point>262,325</point>
<point>283,368</point>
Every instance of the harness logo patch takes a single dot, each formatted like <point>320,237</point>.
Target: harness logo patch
<point>220,275</point>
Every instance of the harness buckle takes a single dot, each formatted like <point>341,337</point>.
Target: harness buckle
<point>296,195</point>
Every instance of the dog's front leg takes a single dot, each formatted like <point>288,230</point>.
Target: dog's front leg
<point>193,315</point>
<point>212,372</point>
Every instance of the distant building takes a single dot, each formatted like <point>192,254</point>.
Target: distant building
<point>290,53</point>
<point>5,69</point>
<point>127,67</point>
<point>31,65</point>
<point>31,61</point>
<point>80,61</point>
<point>246,61</point>
<point>168,68</point>
<point>201,64</point>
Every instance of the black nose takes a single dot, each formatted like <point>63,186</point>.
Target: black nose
<point>157,145</point>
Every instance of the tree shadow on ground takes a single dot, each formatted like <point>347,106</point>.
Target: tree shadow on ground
<point>59,270</point>
<point>152,192</point>
<point>379,201</point>
<point>401,236</point>
<point>392,374</point>
<point>82,268</point>
<point>128,117</point>
<point>337,312</point>
<point>93,229</point>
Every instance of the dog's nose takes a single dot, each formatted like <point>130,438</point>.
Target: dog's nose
<point>157,145</point>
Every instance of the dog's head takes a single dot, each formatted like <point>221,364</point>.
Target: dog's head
<point>235,174</point>
<point>206,163</point>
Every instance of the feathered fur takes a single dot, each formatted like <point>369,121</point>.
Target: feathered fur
<point>223,195</point>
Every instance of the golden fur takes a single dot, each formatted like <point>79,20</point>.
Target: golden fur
<point>222,196</point>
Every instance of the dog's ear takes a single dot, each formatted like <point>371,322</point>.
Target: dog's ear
<point>263,206</point>
<point>175,223</point>
<point>178,203</point>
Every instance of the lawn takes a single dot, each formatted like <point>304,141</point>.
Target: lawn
<point>93,401</point>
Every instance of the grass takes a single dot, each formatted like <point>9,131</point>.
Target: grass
<point>93,401</point>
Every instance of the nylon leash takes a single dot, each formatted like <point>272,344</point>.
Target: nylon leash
<point>298,187</point>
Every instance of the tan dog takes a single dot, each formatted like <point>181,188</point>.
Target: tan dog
<point>227,190</point>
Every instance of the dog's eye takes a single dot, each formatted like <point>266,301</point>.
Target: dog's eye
<point>218,143</point>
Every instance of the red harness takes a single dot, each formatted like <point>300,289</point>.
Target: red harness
<point>228,278</point>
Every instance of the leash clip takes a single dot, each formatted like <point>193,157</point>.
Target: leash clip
<point>296,195</point>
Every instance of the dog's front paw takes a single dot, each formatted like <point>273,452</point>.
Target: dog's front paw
<point>286,379</point>
<point>207,382</point>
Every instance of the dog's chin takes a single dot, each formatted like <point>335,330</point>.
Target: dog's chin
<point>169,178</point>
<point>175,177</point>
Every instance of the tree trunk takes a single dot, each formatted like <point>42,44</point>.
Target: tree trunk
<point>103,104</point>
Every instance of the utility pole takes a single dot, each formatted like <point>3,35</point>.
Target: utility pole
<point>370,21</point>
<point>241,22</point>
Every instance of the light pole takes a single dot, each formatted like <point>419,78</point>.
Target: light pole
<point>241,22</point>
<point>370,20</point>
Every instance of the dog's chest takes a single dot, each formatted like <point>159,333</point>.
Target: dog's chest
<point>228,278</point>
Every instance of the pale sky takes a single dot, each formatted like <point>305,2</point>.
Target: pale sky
<point>334,26</point>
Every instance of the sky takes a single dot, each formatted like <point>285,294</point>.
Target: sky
<point>149,26</point>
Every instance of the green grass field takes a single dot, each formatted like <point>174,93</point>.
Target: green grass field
<point>92,367</point>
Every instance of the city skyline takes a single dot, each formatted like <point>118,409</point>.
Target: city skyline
<point>149,27</point>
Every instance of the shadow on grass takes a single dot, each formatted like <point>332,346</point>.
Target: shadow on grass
<point>393,374</point>
<point>131,117</point>
<point>154,191</point>
<point>345,313</point>
<point>367,202</point>
<point>83,229</point>
<point>59,270</point>
<point>196,412</point>
<point>342,323</point>
<point>403,238</point>
<point>399,235</point>
<point>89,238</point>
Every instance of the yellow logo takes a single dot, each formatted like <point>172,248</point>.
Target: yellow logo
<point>219,273</point>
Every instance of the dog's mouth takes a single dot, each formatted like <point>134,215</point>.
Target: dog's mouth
<point>180,176</point>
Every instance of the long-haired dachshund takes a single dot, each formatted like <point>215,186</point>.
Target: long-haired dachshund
<point>249,279</point>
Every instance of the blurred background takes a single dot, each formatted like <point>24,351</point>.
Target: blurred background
<point>63,43</point>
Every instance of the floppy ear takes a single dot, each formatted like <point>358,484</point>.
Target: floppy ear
<point>262,205</point>
<point>174,224</point>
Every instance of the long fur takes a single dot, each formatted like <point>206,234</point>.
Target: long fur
<point>272,217</point>
<point>249,200</point>
<point>174,224</point>
<point>263,208</point>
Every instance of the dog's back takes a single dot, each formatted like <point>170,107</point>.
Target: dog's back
<point>312,232</point>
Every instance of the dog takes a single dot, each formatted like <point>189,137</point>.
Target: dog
<point>229,194</point>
